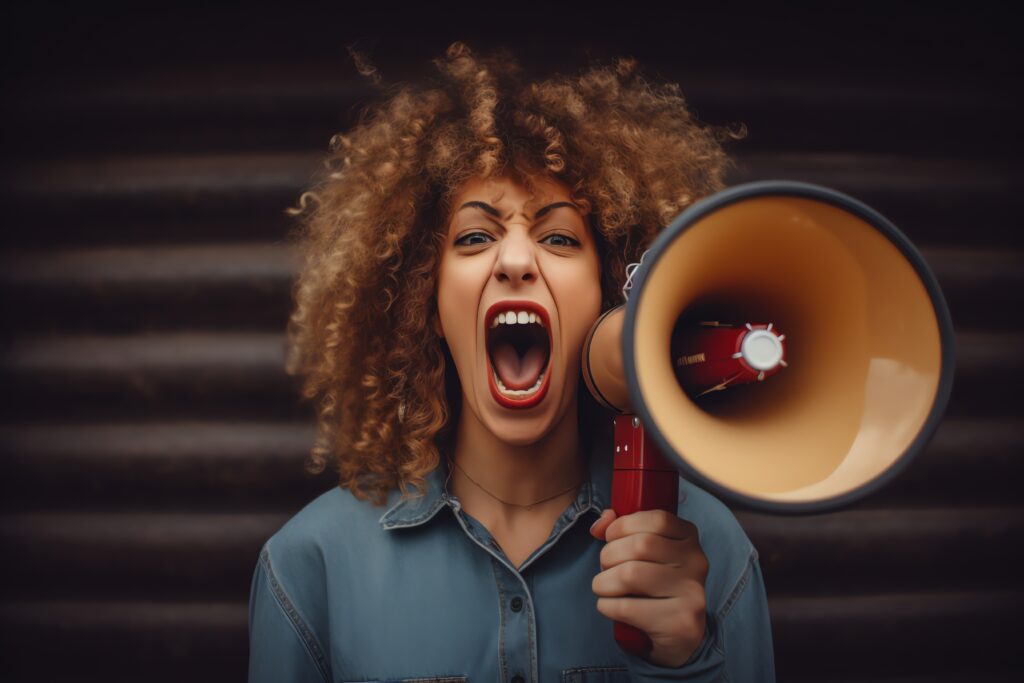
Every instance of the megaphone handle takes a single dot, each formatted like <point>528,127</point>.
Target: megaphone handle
<point>632,640</point>
<point>642,479</point>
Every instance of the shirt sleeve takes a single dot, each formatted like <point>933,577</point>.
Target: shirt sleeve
<point>737,643</point>
<point>281,648</point>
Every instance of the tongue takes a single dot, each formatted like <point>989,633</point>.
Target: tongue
<point>518,372</point>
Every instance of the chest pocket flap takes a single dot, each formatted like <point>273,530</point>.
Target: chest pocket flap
<point>421,679</point>
<point>596,674</point>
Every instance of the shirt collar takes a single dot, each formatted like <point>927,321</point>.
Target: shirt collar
<point>415,510</point>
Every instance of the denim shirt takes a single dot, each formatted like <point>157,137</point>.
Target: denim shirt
<point>423,593</point>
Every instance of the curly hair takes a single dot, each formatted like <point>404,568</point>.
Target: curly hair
<point>370,233</point>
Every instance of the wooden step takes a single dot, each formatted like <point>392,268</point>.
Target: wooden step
<point>91,375</point>
<point>932,201</point>
<point>78,200</point>
<point>70,199</point>
<point>169,465</point>
<point>184,373</point>
<point>242,286</point>
<point>113,641</point>
<point>146,555</point>
<point>247,286</point>
<point>863,550</point>
<point>238,108</point>
<point>133,555</point>
<point>902,634</point>
<point>258,465</point>
<point>815,639</point>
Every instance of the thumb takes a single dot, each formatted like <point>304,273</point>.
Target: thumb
<point>601,525</point>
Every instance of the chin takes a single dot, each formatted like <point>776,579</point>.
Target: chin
<point>518,432</point>
<point>519,428</point>
<point>525,427</point>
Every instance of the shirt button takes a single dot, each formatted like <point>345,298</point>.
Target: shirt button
<point>518,679</point>
<point>517,604</point>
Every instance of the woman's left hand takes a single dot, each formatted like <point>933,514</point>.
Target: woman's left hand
<point>656,555</point>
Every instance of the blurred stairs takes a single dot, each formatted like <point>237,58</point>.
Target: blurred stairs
<point>151,441</point>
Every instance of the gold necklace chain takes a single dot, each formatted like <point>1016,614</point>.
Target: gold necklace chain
<point>518,505</point>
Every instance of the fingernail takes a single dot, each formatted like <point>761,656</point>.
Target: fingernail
<point>593,525</point>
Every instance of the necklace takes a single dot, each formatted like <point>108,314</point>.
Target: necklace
<point>518,505</point>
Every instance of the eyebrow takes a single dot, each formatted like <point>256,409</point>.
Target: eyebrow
<point>487,208</point>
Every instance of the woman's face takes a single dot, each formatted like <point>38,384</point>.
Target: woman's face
<point>518,289</point>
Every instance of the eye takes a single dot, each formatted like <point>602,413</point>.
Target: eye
<point>559,240</point>
<point>473,239</point>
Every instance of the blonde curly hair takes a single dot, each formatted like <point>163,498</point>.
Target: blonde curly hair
<point>371,228</point>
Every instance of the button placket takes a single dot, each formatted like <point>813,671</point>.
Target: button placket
<point>518,635</point>
<point>518,629</point>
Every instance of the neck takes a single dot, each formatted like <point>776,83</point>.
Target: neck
<point>518,474</point>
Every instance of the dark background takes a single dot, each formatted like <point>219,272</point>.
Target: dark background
<point>151,442</point>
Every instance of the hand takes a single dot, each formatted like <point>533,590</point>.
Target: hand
<point>656,555</point>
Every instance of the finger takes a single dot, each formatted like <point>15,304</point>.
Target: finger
<point>668,617</point>
<point>659,522</point>
<point>648,579</point>
<point>650,547</point>
<point>654,616</point>
<point>597,530</point>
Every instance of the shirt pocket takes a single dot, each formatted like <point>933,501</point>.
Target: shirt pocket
<point>596,674</point>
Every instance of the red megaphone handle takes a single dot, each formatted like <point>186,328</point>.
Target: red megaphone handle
<point>642,479</point>
<point>631,639</point>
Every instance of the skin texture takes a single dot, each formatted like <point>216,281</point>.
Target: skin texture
<point>552,262</point>
<point>525,454</point>
<point>521,455</point>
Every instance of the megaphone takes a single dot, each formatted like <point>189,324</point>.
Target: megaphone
<point>849,322</point>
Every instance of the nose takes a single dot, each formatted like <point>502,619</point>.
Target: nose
<point>517,261</point>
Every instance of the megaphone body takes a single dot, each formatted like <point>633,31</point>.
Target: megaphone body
<point>847,371</point>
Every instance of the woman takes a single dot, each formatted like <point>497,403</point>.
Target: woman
<point>466,235</point>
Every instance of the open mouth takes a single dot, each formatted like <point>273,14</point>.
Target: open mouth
<point>519,351</point>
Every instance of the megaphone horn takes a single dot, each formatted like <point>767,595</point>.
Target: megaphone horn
<point>844,322</point>
<point>783,345</point>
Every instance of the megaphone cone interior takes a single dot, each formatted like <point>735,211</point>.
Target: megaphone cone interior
<point>869,347</point>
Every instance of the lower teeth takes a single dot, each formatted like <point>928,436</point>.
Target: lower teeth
<point>518,393</point>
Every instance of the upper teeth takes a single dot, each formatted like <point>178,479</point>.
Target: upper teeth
<point>516,317</point>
